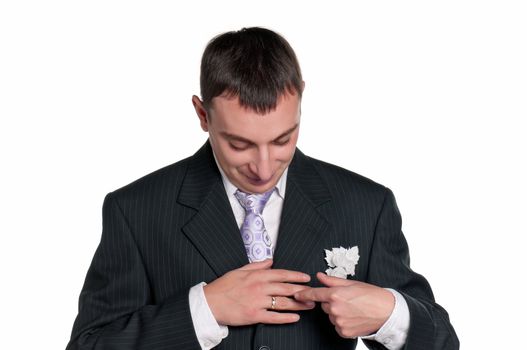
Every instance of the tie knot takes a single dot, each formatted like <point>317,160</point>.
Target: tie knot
<point>254,202</point>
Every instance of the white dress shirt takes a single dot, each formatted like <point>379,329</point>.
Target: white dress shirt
<point>209,333</point>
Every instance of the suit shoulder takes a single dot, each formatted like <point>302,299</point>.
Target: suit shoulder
<point>163,180</point>
<point>339,179</point>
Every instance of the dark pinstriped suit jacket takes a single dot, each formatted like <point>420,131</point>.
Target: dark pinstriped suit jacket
<point>174,228</point>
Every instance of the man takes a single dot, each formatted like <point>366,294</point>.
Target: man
<point>190,259</point>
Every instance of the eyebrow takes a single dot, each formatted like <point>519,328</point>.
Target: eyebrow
<point>243,139</point>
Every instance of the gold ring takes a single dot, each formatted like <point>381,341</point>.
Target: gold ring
<point>273,303</point>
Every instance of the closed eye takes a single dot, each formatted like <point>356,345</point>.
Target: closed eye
<point>281,142</point>
<point>238,147</point>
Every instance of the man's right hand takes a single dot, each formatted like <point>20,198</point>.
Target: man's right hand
<point>243,296</point>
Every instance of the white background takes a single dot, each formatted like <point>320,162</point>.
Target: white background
<point>427,98</point>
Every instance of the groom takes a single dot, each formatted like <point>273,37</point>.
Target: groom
<point>227,248</point>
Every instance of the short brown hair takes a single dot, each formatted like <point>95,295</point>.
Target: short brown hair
<point>254,64</point>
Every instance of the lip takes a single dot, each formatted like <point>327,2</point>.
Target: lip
<point>258,182</point>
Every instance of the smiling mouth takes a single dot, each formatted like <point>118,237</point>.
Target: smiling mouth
<point>259,182</point>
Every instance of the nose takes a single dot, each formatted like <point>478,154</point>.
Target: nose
<point>261,166</point>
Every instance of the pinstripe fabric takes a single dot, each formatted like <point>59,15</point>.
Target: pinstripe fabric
<point>174,228</point>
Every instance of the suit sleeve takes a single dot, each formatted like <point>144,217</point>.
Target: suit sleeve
<point>115,305</point>
<point>389,267</point>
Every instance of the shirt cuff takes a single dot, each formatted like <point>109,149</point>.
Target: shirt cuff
<point>394,331</point>
<point>208,331</point>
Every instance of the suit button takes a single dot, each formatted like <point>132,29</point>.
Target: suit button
<point>265,347</point>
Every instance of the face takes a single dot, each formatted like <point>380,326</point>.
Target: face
<point>252,149</point>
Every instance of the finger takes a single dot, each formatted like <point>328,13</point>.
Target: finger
<point>280,275</point>
<point>314,294</point>
<point>288,304</point>
<point>283,289</point>
<point>282,303</point>
<point>331,281</point>
<point>333,320</point>
<point>272,317</point>
<point>325,307</point>
<point>267,263</point>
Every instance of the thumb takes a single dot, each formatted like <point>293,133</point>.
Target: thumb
<point>330,281</point>
<point>260,265</point>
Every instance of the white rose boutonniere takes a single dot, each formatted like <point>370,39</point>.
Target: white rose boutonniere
<point>342,261</point>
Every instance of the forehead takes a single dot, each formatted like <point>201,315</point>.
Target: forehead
<point>228,116</point>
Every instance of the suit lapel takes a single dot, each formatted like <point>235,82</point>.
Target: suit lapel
<point>213,229</point>
<point>301,226</point>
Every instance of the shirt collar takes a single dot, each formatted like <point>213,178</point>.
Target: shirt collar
<point>231,189</point>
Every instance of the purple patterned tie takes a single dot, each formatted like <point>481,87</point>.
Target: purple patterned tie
<point>257,241</point>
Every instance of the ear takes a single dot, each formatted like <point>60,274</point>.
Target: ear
<point>303,85</point>
<point>201,112</point>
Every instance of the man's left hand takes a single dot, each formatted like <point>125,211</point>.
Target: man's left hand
<point>355,308</point>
